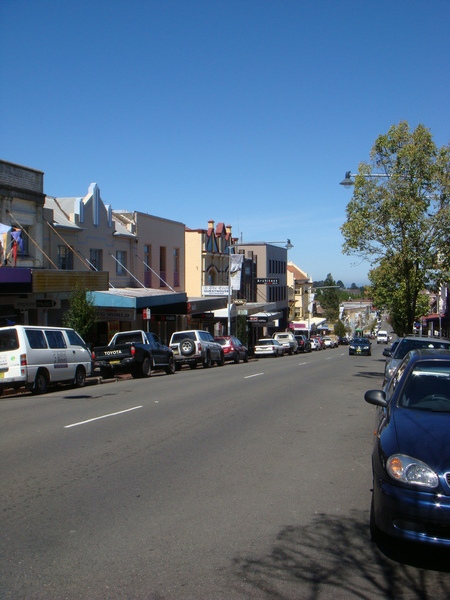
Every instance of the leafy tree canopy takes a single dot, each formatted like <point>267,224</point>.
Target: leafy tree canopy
<point>81,314</point>
<point>400,221</point>
<point>329,298</point>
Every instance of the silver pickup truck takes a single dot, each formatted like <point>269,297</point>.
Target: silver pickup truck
<point>195,346</point>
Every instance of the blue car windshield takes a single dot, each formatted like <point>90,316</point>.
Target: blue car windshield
<point>427,387</point>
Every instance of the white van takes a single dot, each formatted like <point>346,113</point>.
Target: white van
<point>36,357</point>
<point>382,337</point>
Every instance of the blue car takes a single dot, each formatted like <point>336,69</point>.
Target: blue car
<point>411,453</point>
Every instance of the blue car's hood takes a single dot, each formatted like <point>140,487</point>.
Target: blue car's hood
<point>424,435</point>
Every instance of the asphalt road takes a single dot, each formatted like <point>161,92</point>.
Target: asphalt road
<point>246,481</point>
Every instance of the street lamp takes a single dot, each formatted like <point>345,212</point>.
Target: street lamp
<point>347,182</point>
<point>287,245</point>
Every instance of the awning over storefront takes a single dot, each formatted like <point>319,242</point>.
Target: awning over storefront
<point>222,313</point>
<point>206,304</point>
<point>305,325</point>
<point>138,298</point>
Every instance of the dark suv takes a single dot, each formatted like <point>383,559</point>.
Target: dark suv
<point>304,345</point>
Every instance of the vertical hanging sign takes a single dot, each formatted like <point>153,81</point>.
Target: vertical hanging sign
<point>236,261</point>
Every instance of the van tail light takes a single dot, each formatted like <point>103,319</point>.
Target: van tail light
<point>133,350</point>
<point>93,355</point>
<point>23,360</point>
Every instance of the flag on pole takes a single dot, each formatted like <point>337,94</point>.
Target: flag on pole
<point>17,243</point>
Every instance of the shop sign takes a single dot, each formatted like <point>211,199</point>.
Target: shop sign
<point>116,314</point>
<point>215,290</point>
<point>164,318</point>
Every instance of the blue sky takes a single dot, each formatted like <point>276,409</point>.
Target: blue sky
<point>246,112</point>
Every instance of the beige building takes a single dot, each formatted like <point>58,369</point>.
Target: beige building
<point>207,257</point>
<point>143,254</point>
<point>159,249</point>
<point>300,289</point>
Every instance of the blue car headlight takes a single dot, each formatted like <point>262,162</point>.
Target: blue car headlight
<point>410,470</point>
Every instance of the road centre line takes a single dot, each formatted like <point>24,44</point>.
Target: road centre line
<point>102,417</point>
<point>255,375</point>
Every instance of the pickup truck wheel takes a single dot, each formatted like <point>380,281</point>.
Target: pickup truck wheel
<point>170,369</point>
<point>80,377</point>
<point>187,347</point>
<point>207,362</point>
<point>146,367</point>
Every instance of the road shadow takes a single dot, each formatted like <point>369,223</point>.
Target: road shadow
<point>333,557</point>
<point>370,375</point>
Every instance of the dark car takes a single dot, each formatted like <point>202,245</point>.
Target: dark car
<point>360,345</point>
<point>405,344</point>
<point>411,452</point>
<point>233,348</point>
<point>304,345</point>
<point>343,341</point>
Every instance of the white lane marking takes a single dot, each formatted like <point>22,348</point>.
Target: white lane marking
<point>303,363</point>
<point>102,417</point>
<point>255,375</point>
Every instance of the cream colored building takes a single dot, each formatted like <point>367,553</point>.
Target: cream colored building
<point>300,286</point>
<point>207,257</point>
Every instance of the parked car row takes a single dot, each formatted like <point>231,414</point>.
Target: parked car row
<point>37,357</point>
<point>322,343</point>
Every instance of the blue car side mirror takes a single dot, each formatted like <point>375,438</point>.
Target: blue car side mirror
<point>376,397</point>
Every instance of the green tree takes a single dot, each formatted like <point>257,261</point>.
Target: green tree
<point>242,329</point>
<point>329,298</point>
<point>82,313</point>
<point>339,329</point>
<point>400,221</point>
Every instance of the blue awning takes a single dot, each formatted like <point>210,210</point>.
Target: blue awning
<point>137,298</point>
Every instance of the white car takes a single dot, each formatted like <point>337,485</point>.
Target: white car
<point>269,347</point>
<point>329,342</point>
<point>382,337</point>
<point>315,344</point>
